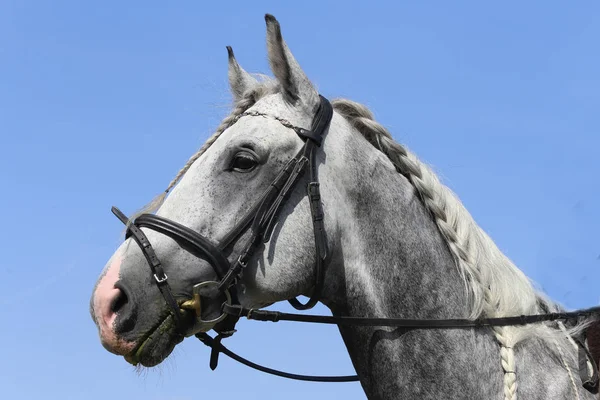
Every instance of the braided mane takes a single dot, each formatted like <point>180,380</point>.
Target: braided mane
<point>496,287</point>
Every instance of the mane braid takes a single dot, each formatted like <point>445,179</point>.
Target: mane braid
<point>495,286</point>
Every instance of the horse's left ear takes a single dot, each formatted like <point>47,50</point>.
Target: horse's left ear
<point>239,80</point>
<point>295,84</point>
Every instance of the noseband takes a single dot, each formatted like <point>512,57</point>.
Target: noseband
<point>260,221</point>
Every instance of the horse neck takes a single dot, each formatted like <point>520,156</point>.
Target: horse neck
<point>389,259</point>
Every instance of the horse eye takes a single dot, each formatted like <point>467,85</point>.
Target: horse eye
<point>243,162</point>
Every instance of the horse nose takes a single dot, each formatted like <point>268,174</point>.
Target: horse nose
<point>114,310</point>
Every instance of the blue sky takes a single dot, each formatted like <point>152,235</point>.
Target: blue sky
<point>502,99</point>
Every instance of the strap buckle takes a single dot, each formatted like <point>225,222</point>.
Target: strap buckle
<point>161,280</point>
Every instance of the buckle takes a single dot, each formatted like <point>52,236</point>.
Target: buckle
<point>160,280</point>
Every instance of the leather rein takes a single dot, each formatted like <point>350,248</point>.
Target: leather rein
<point>260,221</point>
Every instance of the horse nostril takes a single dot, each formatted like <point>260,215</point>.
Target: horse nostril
<point>119,302</point>
<point>123,305</point>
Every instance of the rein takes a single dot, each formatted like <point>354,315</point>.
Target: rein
<point>276,316</point>
<point>590,380</point>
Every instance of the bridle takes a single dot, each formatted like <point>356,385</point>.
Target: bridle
<point>260,221</point>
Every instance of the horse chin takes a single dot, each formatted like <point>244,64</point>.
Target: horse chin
<point>156,345</point>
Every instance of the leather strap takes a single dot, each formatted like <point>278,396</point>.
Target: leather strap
<point>217,347</point>
<point>590,383</point>
<point>310,135</point>
<point>155,265</point>
<point>188,239</point>
<point>319,126</point>
<point>429,324</point>
<point>590,380</point>
<point>269,220</point>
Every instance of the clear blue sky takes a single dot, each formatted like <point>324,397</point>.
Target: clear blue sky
<point>502,99</point>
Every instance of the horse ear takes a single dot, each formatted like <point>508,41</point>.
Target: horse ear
<point>239,80</point>
<point>295,84</point>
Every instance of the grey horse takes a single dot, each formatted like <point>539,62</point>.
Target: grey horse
<point>401,245</point>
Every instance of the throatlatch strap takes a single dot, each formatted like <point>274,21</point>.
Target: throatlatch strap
<point>319,126</point>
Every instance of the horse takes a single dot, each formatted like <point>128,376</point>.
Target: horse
<point>378,235</point>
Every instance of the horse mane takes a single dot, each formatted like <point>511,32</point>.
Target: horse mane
<point>496,286</point>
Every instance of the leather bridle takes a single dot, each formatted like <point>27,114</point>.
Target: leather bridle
<point>260,221</point>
